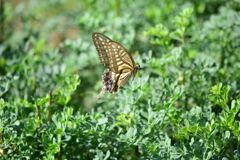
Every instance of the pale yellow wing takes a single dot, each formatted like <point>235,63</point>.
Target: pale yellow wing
<point>119,63</point>
<point>112,55</point>
<point>123,78</point>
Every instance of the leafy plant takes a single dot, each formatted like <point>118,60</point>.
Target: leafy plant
<point>183,103</point>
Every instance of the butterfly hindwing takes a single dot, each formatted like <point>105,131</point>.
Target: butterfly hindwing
<point>109,82</point>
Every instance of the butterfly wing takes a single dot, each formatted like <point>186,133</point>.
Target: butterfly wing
<point>112,55</point>
<point>119,63</point>
<point>123,78</point>
<point>109,82</point>
<point>100,41</point>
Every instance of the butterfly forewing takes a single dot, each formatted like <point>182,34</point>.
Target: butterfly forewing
<point>119,63</point>
<point>100,41</point>
<point>119,57</point>
<point>112,54</point>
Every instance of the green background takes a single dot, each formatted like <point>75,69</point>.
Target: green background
<point>184,102</point>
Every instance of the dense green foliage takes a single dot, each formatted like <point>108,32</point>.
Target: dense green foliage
<point>184,103</point>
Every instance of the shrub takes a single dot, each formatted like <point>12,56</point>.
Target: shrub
<point>183,104</point>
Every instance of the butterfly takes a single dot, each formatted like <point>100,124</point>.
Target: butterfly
<point>119,64</point>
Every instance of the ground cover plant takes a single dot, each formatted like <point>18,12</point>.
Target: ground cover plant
<point>184,102</point>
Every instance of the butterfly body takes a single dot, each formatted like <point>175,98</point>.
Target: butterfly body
<point>119,64</point>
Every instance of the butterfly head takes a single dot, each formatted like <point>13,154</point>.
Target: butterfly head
<point>136,68</point>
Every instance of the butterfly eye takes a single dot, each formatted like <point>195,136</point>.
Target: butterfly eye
<point>119,64</point>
